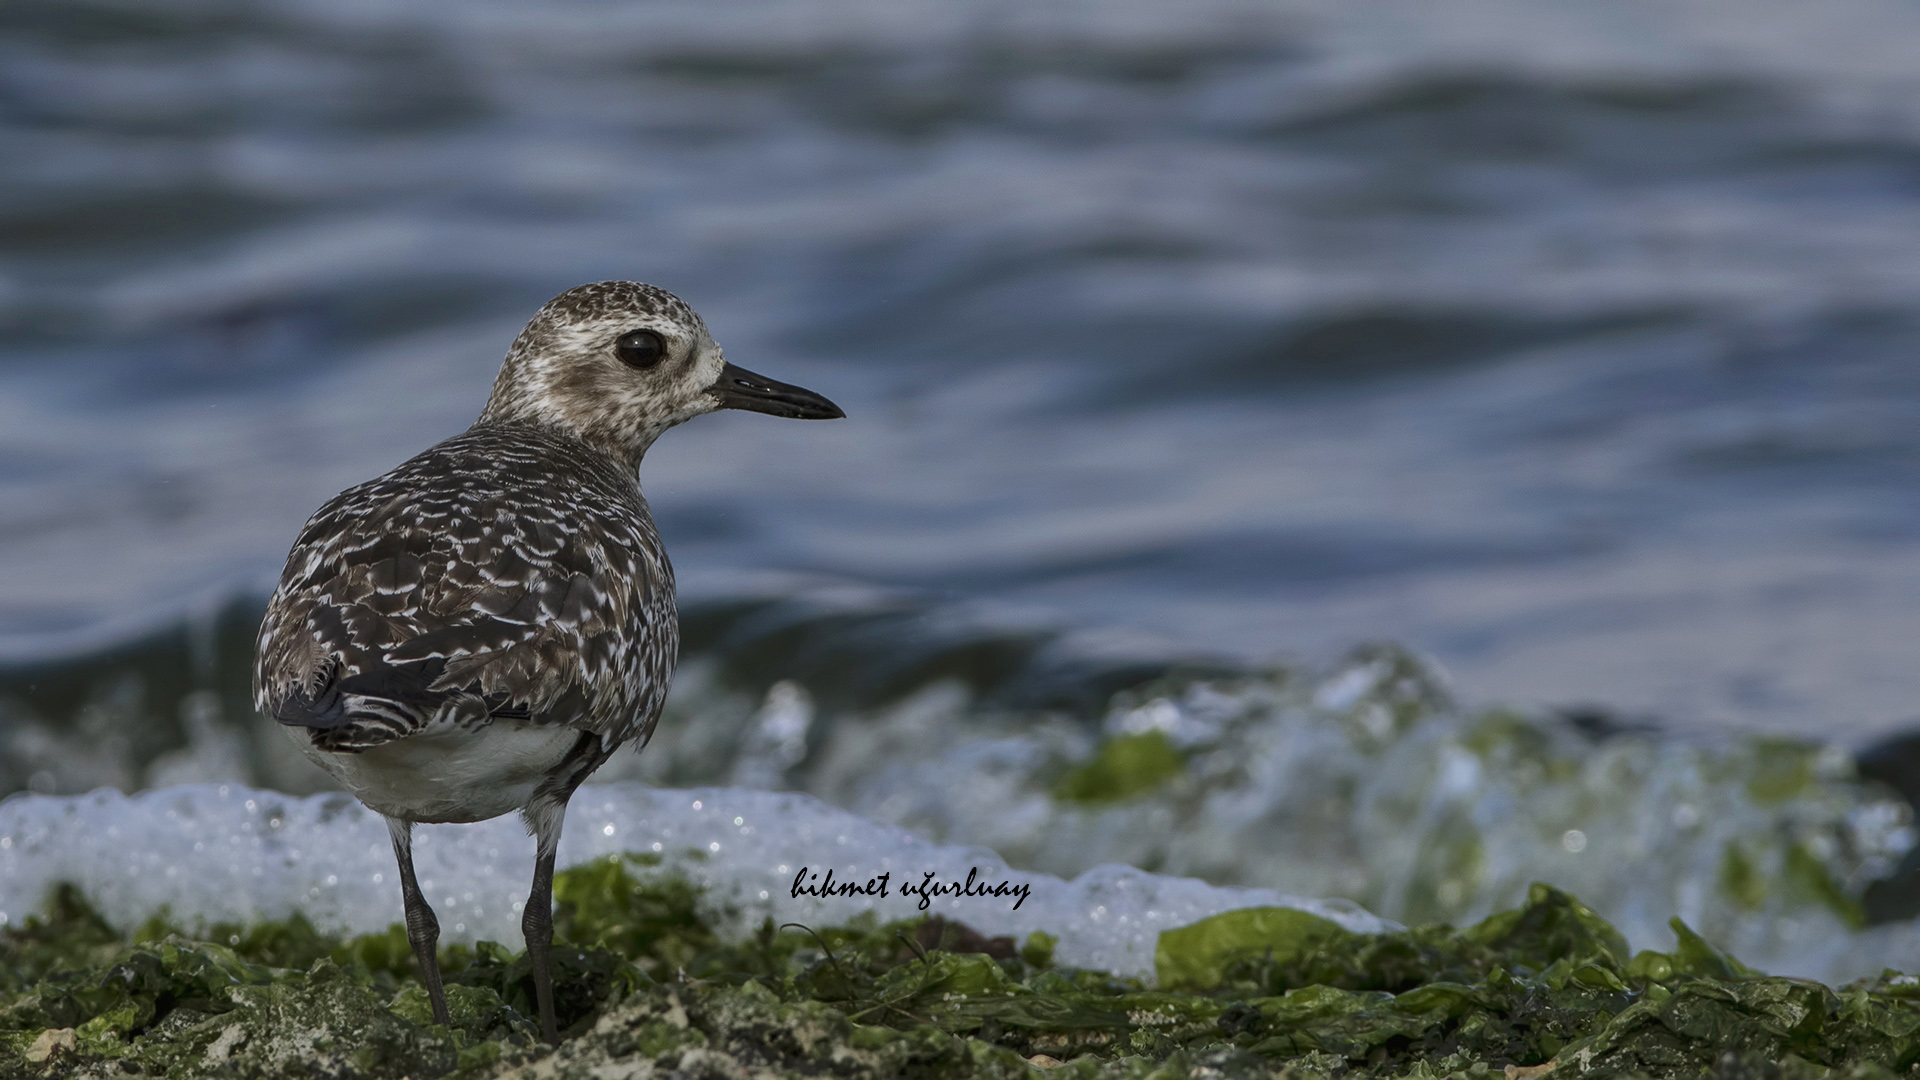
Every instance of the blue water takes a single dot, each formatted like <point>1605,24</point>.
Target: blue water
<point>1572,346</point>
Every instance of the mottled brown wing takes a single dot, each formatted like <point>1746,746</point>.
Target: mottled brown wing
<point>486,578</point>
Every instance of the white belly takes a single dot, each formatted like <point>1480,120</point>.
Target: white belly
<point>449,775</point>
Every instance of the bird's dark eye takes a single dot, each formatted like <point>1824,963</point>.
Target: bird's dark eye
<point>640,348</point>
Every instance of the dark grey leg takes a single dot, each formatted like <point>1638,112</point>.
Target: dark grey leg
<point>423,930</point>
<point>545,818</point>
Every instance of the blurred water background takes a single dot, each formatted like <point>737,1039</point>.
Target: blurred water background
<point>1186,348</point>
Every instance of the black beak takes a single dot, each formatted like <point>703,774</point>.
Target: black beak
<point>739,388</point>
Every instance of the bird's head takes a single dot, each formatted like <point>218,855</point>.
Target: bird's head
<point>617,362</point>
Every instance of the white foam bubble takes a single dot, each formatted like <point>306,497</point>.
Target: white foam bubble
<point>210,853</point>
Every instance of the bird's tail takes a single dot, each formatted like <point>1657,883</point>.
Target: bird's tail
<point>377,705</point>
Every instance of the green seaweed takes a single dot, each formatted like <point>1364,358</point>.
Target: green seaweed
<point>1203,953</point>
<point>647,985</point>
<point>1125,766</point>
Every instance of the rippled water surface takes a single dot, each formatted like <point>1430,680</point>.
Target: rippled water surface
<point>1573,346</point>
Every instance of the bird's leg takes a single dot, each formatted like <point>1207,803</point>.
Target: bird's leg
<point>545,818</point>
<point>423,930</point>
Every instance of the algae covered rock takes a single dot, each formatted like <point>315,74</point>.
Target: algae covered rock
<point>751,1030</point>
<point>325,1022</point>
<point>184,1009</point>
<point>650,990</point>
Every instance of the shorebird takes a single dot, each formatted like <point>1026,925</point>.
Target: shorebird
<point>479,629</point>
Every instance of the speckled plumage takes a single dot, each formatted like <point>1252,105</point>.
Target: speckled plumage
<point>479,629</point>
<point>510,573</point>
<point>507,571</point>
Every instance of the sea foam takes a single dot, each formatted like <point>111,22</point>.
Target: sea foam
<point>223,852</point>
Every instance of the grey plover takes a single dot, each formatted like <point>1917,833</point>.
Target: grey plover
<point>479,629</point>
